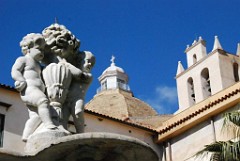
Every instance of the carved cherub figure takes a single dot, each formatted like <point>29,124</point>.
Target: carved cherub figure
<point>61,44</point>
<point>82,78</point>
<point>26,72</point>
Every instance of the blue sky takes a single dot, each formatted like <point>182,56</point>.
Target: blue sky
<point>147,37</point>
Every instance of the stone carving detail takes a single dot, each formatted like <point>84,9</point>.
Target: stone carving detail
<point>61,44</point>
<point>74,105</point>
<point>52,78</point>
<point>57,78</point>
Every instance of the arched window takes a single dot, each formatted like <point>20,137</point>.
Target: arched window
<point>194,58</point>
<point>206,83</point>
<point>191,91</point>
<point>235,72</point>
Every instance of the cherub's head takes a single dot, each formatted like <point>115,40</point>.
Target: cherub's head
<point>60,40</point>
<point>33,44</point>
<point>87,61</point>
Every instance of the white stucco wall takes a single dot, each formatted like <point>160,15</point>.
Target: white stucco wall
<point>188,144</point>
<point>98,124</point>
<point>15,118</point>
<point>185,146</point>
<point>226,68</point>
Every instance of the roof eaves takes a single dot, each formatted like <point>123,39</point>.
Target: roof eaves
<point>8,87</point>
<point>125,121</point>
<point>200,112</point>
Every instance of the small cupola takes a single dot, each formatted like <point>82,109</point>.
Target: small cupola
<point>113,77</point>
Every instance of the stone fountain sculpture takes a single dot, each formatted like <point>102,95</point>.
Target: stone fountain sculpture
<point>52,78</point>
<point>65,77</point>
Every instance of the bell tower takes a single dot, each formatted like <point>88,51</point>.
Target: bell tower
<point>206,74</point>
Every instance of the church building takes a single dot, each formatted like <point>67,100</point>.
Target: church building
<point>207,88</point>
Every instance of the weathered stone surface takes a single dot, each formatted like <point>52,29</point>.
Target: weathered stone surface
<point>88,147</point>
<point>40,141</point>
<point>52,78</point>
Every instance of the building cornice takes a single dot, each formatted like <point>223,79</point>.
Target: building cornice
<point>112,73</point>
<point>200,112</point>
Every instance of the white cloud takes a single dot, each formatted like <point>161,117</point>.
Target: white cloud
<point>164,99</point>
<point>168,94</point>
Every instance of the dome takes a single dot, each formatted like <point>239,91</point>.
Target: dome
<point>119,104</point>
<point>113,68</point>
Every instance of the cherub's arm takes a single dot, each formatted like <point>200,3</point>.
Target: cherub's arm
<point>76,72</point>
<point>17,70</point>
<point>86,77</point>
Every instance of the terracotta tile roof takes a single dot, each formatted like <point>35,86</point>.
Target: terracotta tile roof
<point>127,121</point>
<point>152,121</point>
<point>191,116</point>
<point>119,104</point>
<point>8,87</point>
<point>122,106</point>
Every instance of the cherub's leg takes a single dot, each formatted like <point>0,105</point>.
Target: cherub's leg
<point>78,116</point>
<point>79,122</point>
<point>66,115</point>
<point>31,125</point>
<point>44,113</point>
<point>79,106</point>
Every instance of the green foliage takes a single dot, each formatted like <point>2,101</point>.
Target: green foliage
<point>222,151</point>
<point>225,150</point>
<point>231,124</point>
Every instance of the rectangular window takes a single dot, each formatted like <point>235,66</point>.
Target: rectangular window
<point>3,111</point>
<point>104,85</point>
<point>120,81</point>
<point>2,118</point>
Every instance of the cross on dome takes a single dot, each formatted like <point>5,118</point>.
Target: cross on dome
<point>56,20</point>
<point>112,60</point>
